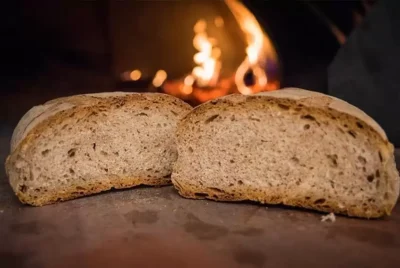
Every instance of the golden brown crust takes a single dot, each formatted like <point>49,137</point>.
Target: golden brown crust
<point>264,100</point>
<point>52,108</point>
<point>319,100</point>
<point>79,108</point>
<point>252,194</point>
<point>83,190</point>
<point>353,122</point>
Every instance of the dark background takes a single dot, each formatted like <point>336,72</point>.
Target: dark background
<point>57,48</point>
<point>79,35</point>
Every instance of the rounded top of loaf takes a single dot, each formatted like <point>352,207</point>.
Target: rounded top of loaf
<point>38,114</point>
<point>320,100</point>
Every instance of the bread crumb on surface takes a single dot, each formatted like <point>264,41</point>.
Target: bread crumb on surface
<point>330,217</point>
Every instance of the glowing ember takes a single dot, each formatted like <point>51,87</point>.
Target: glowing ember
<point>135,75</point>
<point>187,85</point>
<point>159,78</point>
<point>219,22</point>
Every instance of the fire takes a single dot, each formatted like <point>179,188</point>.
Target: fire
<point>219,22</point>
<point>135,75</point>
<point>205,81</point>
<point>159,78</point>
<point>187,85</point>
<point>258,47</point>
<point>207,59</point>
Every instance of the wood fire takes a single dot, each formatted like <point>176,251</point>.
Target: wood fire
<point>205,81</point>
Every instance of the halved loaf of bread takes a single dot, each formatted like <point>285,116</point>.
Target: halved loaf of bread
<point>291,147</point>
<point>85,144</point>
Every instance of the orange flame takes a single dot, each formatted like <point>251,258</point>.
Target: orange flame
<point>207,71</point>
<point>159,78</point>
<point>204,81</point>
<point>188,85</point>
<point>258,47</point>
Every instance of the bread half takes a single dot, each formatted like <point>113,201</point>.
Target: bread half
<point>293,147</point>
<point>85,144</point>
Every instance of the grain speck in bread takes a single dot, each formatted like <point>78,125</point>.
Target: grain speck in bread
<point>293,147</point>
<point>84,144</point>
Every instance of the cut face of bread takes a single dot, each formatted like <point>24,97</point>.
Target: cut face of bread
<point>86,144</point>
<point>291,147</point>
